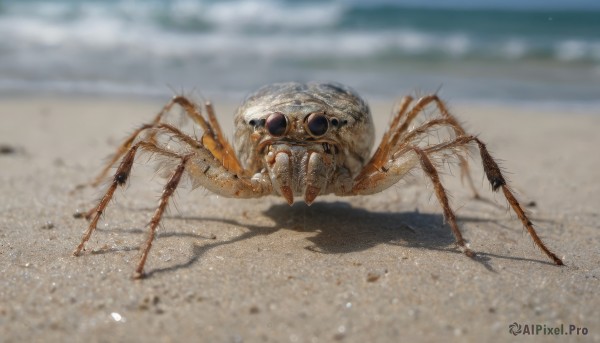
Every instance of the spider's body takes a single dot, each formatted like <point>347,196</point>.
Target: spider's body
<point>308,139</point>
<point>305,140</point>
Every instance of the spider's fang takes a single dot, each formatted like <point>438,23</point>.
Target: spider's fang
<point>281,174</point>
<point>317,175</point>
<point>311,194</point>
<point>287,193</point>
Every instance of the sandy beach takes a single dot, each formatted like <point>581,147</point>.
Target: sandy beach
<point>363,269</point>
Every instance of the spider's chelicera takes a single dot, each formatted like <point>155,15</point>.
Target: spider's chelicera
<point>305,140</point>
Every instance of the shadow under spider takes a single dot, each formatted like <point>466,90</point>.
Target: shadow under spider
<point>340,228</point>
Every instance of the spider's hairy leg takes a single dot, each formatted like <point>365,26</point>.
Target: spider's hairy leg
<point>127,143</point>
<point>212,138</point>
<point>168,191</point>
<point>497,180</point>
<point>387,176</point>
<point>494,175</point>
<point>451,122</point>
<point>459,131</point>
<point>154,130</point>
<point>197,162</point>
<point>395,169</point>
<point>381,155</point>
<point>119,178</point>
<point>399,134</point>
<point>405,158</point>
<point>121,150</point>
<point>226,153</point>
<point>442,197</point>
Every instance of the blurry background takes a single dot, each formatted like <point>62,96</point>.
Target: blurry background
<point>510,50</point>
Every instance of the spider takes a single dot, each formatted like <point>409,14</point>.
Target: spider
<point>303,140</point>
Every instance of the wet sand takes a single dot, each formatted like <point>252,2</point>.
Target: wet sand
<point>378,268</point>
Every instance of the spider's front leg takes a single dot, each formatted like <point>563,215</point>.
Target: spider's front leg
<point>396,169</point>
<point>409,157</point>
<point>213,138</point>
<point>197,162</point>
<point>497,181</point>
<point>399,133</point>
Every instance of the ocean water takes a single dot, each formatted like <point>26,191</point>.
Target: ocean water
<point>227,48</point>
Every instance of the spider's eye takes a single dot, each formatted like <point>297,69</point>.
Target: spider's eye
<point>317,124</point>
<point>256,123</point>
<point>277,124</point>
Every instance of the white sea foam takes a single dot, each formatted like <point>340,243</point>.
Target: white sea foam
<point>144,45</point>
<point>239,15</point>
<point>284,31</point>
<point>515,48</point>
<point>572,50</point>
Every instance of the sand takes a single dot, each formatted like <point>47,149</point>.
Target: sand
<point>364,269</point>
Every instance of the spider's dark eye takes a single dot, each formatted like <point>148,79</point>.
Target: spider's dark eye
<point>317,124</point>
<point>256,123</point>
<point>335,122</point>
<point>277,124</point>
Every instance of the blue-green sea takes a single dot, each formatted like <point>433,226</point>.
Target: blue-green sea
<point>507,52</point>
